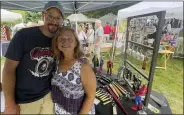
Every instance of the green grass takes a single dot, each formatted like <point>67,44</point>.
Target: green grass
<point>2,60</point>
<point>169,82</point>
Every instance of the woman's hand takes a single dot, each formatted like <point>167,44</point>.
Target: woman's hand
<point>88,80</point>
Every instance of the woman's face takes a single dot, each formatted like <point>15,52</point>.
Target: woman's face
<point>66,41</point>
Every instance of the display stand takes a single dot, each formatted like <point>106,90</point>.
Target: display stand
<point>144,26</point>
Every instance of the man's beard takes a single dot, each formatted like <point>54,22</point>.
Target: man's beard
<point>52,28</point>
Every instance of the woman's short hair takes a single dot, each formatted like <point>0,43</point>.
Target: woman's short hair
<point>59,54</point>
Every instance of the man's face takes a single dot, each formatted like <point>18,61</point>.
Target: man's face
<point>97,24</point>
<point>52,19</point>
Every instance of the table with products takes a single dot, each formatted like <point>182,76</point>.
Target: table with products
<point>166,55</point>
<point>107,109</point>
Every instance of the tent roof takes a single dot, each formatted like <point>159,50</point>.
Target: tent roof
<point>79,18</point>
<point>149,7</point>
<point>9,16</point>
<point>108,18</point>
<point>68,6</point>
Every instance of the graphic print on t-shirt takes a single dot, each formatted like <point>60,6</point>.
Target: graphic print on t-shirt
<point>44,59</point>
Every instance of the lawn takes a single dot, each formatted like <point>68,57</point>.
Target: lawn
<point>2,60</point>
<point>169,82</point>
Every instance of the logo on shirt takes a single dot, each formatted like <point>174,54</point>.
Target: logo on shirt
<point>44,59</point>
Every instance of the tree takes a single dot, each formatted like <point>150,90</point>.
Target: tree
<point>32,16</point>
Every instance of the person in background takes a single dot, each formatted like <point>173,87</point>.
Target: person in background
<point>82,36</point>
<point>74,82</point>
<point>90,37</point>
<point>18,27</point>
<point>98,37</point>
<point>107,31</point>
<point>114,31</point>
<point>28,66</point>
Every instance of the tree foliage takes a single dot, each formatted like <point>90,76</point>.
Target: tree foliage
<point>32,17</point>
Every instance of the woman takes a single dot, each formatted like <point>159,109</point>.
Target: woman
<point>82,37</point>
<point>74,82</point>
<point>90,37</point>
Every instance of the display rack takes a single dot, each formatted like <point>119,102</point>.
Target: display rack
<point>153,48</point>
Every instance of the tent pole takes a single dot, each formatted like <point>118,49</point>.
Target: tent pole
<point>114,43</point>
<point>75,12</point>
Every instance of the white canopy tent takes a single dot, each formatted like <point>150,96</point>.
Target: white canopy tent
<point>149,7</point>
<point>9,16</point>
<point>108,18</point>
<point>79,18</point>
<point>173,10</point>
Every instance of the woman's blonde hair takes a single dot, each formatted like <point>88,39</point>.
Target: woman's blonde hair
<point>59,54</point>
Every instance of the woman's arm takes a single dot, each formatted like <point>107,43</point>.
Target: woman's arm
<point>88,80</point>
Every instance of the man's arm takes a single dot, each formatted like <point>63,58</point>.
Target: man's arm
<point>100,35</point>
<point>13,56</point>
<point>98,40</point>
<point>9,80</point>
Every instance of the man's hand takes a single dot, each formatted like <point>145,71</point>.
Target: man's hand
<point>14,109</point>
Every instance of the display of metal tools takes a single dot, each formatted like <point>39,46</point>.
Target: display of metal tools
<point>116,99</point>
<point>103,96</point>
<point>117,89</point>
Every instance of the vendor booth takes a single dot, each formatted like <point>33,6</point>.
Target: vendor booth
<point>130,91</point>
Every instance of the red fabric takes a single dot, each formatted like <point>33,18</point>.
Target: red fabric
<point>107,29</point>
<point>114,29</point>
<point>142,91</point>
<point>114,32</point>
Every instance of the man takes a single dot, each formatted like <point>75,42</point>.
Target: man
<point>107,31</point>
<point>28,65</point>
<point>98,37</point>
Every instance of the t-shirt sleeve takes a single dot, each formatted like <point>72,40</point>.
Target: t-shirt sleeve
<point>16,47</point>
<point>100,32</point>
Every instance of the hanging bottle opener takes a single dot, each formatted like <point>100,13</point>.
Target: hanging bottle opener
<point>114,108</point>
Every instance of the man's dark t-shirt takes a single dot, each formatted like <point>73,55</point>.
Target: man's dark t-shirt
<point>33,51</point>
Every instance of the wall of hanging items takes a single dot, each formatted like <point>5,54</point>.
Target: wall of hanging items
<point>142,45</point>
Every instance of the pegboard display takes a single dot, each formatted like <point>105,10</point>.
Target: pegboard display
<point>142,45</point>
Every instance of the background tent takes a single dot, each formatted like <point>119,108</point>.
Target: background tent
<point>9,16</point>
<point>79,18</point>
<point>108,18</point>
<point>173,10</point>
<point>148,7</point>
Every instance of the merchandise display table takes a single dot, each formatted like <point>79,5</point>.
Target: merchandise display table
<point>107,109</point>
<point>166,55</point>
<point>128,103</point>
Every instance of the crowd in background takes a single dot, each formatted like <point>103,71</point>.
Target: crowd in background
<point>87,34</point>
